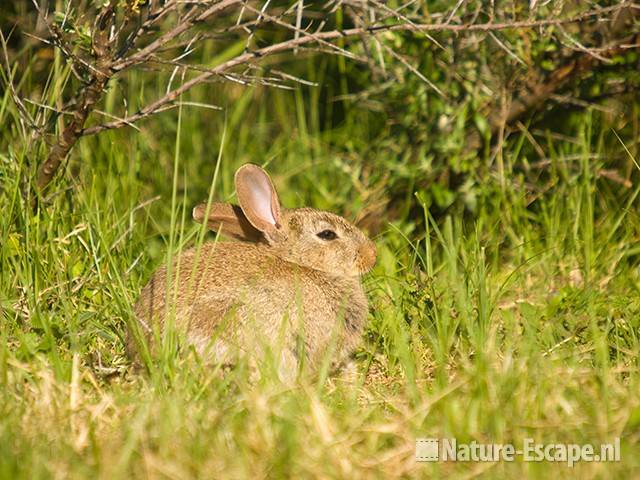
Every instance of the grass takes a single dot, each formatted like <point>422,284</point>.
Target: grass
<point>520,319</point>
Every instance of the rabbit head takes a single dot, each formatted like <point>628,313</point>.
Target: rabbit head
<point>307,237</point>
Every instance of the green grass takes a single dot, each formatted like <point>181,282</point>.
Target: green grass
<point>518,319</point>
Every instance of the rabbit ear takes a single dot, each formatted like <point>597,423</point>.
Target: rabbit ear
<point>227,219</point>
<point>258,199</point>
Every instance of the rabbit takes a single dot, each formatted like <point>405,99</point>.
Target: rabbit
<point>292,282</point>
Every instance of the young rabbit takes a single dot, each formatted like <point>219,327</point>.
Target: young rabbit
<point>291,285</point>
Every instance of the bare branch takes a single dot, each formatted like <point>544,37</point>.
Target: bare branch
<point>86,101</point>
<point>190,19</point>
<point>322,37</point>
<point>544,90</point>
<point>397,14</point>
<point>108,58</point>
<point>414,70</point>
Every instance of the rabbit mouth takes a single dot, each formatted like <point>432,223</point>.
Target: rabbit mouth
<point>366,257</point>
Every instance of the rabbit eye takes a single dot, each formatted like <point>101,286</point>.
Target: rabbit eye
<point>327,235</point>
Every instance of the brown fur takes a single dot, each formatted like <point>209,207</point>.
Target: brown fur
<point>289,291</point>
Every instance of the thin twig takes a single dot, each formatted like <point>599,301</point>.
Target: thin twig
<point>290,44</point>
<point>183,26</point>
<point>414,70</point>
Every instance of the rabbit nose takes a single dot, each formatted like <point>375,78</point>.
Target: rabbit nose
<point>367,253</point>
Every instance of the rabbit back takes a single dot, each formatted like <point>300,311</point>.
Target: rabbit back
<point>230,297</point>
